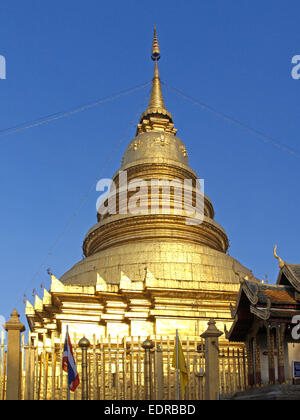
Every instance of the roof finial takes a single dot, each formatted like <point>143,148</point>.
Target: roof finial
<point>281,262</point>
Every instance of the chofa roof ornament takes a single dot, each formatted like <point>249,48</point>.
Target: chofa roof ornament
<point>281,262</point>
<point>241,275</point>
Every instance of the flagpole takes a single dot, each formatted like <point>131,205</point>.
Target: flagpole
<point>68,387</point>
<point>177,363</point>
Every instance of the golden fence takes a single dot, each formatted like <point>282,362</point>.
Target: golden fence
<point>233,370</point>
<point>116,369</point>
<point>3,361</point>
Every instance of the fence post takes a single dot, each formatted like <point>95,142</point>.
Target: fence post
<point>160,373</point>
<point>211,336</point>
<point>147,346</point>
<point>29,372</point>
<point>84,344</point>
<point>14,327</point>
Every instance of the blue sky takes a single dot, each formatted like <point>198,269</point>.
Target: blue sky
<point>235,56</point>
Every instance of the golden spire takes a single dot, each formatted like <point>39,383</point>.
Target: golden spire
<point>156,117</point>
<point>156,98</point>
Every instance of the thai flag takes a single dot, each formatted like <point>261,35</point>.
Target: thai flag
<point>69,364</point>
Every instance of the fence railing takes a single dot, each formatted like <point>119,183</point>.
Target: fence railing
<point>233,370</point>
<point>116,368</point>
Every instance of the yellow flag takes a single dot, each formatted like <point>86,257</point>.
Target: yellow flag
<point>183,376</point>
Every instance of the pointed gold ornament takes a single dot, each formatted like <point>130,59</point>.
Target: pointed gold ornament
<point>281,262</point>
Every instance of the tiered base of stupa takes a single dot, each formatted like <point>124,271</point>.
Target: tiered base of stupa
<point>115,293</point>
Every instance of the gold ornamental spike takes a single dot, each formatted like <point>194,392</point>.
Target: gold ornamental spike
<point>281,262</point>
<point>155,55</point>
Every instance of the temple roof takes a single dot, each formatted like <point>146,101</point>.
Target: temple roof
<point>290,275</point>
<point>260,294</point>
<point>271,303</point>
<point>265,302</point>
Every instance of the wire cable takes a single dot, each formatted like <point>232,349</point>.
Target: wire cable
<point>218,114</point>
<point>59,115</point>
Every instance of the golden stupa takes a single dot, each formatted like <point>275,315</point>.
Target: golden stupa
<point>146,274</point>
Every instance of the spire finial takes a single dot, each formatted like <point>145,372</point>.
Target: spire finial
<point>156,99</point>
<point>155,55</point>
<point>156,117</point>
